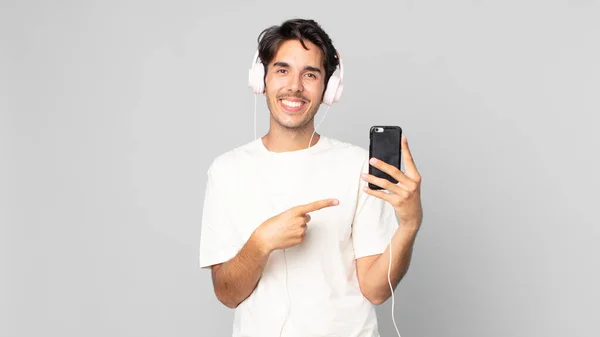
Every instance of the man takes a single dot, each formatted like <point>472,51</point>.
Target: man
<point>295,242</point>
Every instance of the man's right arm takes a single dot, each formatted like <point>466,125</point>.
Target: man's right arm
<point>235,280</point>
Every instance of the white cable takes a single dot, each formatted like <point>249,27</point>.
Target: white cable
<point>255,116</point>
<point>288,294</point>
<point>315,130</point>
<point>392,288</point>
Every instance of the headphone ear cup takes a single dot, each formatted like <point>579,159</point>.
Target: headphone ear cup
<point>251,78</point>
<point>338,92</point>
<point>255,78</point>
<point>260,81</point>
<point>331,94</point>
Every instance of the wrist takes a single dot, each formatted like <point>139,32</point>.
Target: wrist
<point>410,228</point>
<point>257,240</point>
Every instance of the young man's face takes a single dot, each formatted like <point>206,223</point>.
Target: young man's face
<point>294,84</point>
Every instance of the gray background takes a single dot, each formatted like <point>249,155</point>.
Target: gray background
<point>111,113</point>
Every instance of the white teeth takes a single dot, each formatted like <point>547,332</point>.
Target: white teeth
<point>291,104</point>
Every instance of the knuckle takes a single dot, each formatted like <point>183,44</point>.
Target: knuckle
<point>398,200</point>
<point>414,187</point>
<point>387,184</point>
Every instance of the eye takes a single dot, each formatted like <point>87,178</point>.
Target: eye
<point>281,71</point>
<point>311,75</point>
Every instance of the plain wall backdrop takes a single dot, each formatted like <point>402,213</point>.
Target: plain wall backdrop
<point>111,112</point>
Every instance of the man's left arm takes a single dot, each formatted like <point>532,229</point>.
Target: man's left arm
<point>405,197</point>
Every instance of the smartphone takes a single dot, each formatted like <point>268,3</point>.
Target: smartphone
<point>385,145</point>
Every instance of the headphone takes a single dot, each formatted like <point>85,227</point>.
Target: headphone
<point>333,93</point>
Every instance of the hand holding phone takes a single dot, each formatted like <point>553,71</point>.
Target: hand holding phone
<point>403,189</point>
<point>384,144</point>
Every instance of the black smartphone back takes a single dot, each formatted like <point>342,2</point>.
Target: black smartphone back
<point>385,145</point>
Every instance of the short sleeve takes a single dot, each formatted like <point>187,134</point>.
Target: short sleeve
<point>374,222</point>
<point>217,236</point>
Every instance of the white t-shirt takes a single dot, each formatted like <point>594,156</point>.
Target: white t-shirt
<point>318,294</point>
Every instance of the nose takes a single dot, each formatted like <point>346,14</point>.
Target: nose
<point>295,83</point>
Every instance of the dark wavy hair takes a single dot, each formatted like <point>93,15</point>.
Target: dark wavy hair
<point>271,38</point>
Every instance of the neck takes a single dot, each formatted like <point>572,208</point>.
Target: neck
<point>284,140</point>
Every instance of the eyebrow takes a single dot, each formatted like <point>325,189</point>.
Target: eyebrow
<point>286,65</point>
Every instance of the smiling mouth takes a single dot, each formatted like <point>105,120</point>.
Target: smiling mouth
<point>292,105</point>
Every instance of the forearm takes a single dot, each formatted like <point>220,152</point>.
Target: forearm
<point>236,279</point>
<point>377,284</point>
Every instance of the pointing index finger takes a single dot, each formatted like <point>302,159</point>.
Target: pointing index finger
<point>317,205</point>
